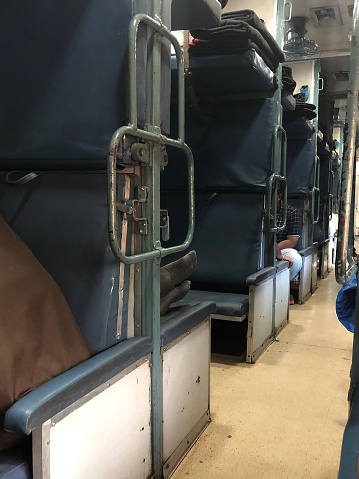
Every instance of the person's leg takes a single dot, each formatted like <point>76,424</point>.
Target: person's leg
<point>176,294</point>
<point>297,261</point>
<point>174,273</point>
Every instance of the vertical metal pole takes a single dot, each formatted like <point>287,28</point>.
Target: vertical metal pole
<point>151,269</point>
<point>345,266</point>
<point>316,67</point>
<point>270,238</point>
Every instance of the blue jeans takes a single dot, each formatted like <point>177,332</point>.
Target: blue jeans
<point>297,261</point>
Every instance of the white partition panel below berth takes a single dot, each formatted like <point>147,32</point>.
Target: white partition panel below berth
<point>186,371</point>
<point>260,319</point>
<point>281,300</point>
<point>104,435</point>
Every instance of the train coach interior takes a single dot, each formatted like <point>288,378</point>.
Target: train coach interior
<point>133,134</point>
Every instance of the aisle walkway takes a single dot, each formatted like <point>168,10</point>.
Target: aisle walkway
<point>284,416</point>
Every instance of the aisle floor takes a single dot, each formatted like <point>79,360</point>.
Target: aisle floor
<point>284,416</point>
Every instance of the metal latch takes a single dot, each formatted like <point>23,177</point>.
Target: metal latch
<point>129,207</point>
<point>165,225</point>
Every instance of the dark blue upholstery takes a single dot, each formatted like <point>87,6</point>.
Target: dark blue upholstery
<point>228,304</point>
<point>300,166</point>
<point>63,219</point>
<point>16,463</point>
<point>325,177</point>
<point>288,101</point>
<point>298,129</point>
<point>232,148</point>
<point>64,87</point>
<point>241,73</point>
<point>182,317</point>
<point>227,239</point>
<point>187,14</point>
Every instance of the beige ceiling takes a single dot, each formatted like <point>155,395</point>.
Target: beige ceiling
<point>334,38</point>
<point>333,42</point>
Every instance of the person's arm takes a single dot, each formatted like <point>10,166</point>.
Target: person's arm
<point>289,242</point>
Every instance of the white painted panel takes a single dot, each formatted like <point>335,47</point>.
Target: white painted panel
<point>303,74</point>
<point>263,313</point>
<point>306,275</point>
<point>282,297</point>
<point>107,437</point>
<point>185,386</point>
<point>265,9</point>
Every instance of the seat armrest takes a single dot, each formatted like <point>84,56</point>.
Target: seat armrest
<point>282,265</point>
<point>260,276</point>
<point>54,396</point>
<point>306,251</point>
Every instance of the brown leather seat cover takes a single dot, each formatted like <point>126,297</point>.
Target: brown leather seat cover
<point>39,337</point>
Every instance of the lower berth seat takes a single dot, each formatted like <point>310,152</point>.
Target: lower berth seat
<point>231,306</point>
<point>229,242</point>
<point>66,213</point>
<point>16,463</point>
<point>31,413</point>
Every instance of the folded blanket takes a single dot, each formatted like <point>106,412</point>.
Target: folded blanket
<point>289,83</point>
<point>250,17</point>
<point>221,46</point>
<point>305,113</point>
<point>235,35</point>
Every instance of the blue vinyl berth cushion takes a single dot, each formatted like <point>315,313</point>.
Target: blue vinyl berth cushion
<point>241,73</point>
<point>298,129</point>
<point>227,238</point>
<point>227,304</point>
<point>65,80</point>
<point>187,14</point>
<point>16,463</point>
<point>184,316</point>
<point>232,147</point>
<point>300,166</point>
<point>288,101</point>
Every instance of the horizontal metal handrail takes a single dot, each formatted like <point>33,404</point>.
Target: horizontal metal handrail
<point>271,212</point>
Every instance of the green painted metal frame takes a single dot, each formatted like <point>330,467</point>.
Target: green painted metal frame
<point>315,192</point>
<point>154,136</point>
<point>278,152</point>
<point>152,252</point>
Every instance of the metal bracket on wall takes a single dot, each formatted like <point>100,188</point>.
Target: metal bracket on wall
<point>129,208</point>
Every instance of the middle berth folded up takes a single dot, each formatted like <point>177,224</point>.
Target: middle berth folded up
<point>244,74</point>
